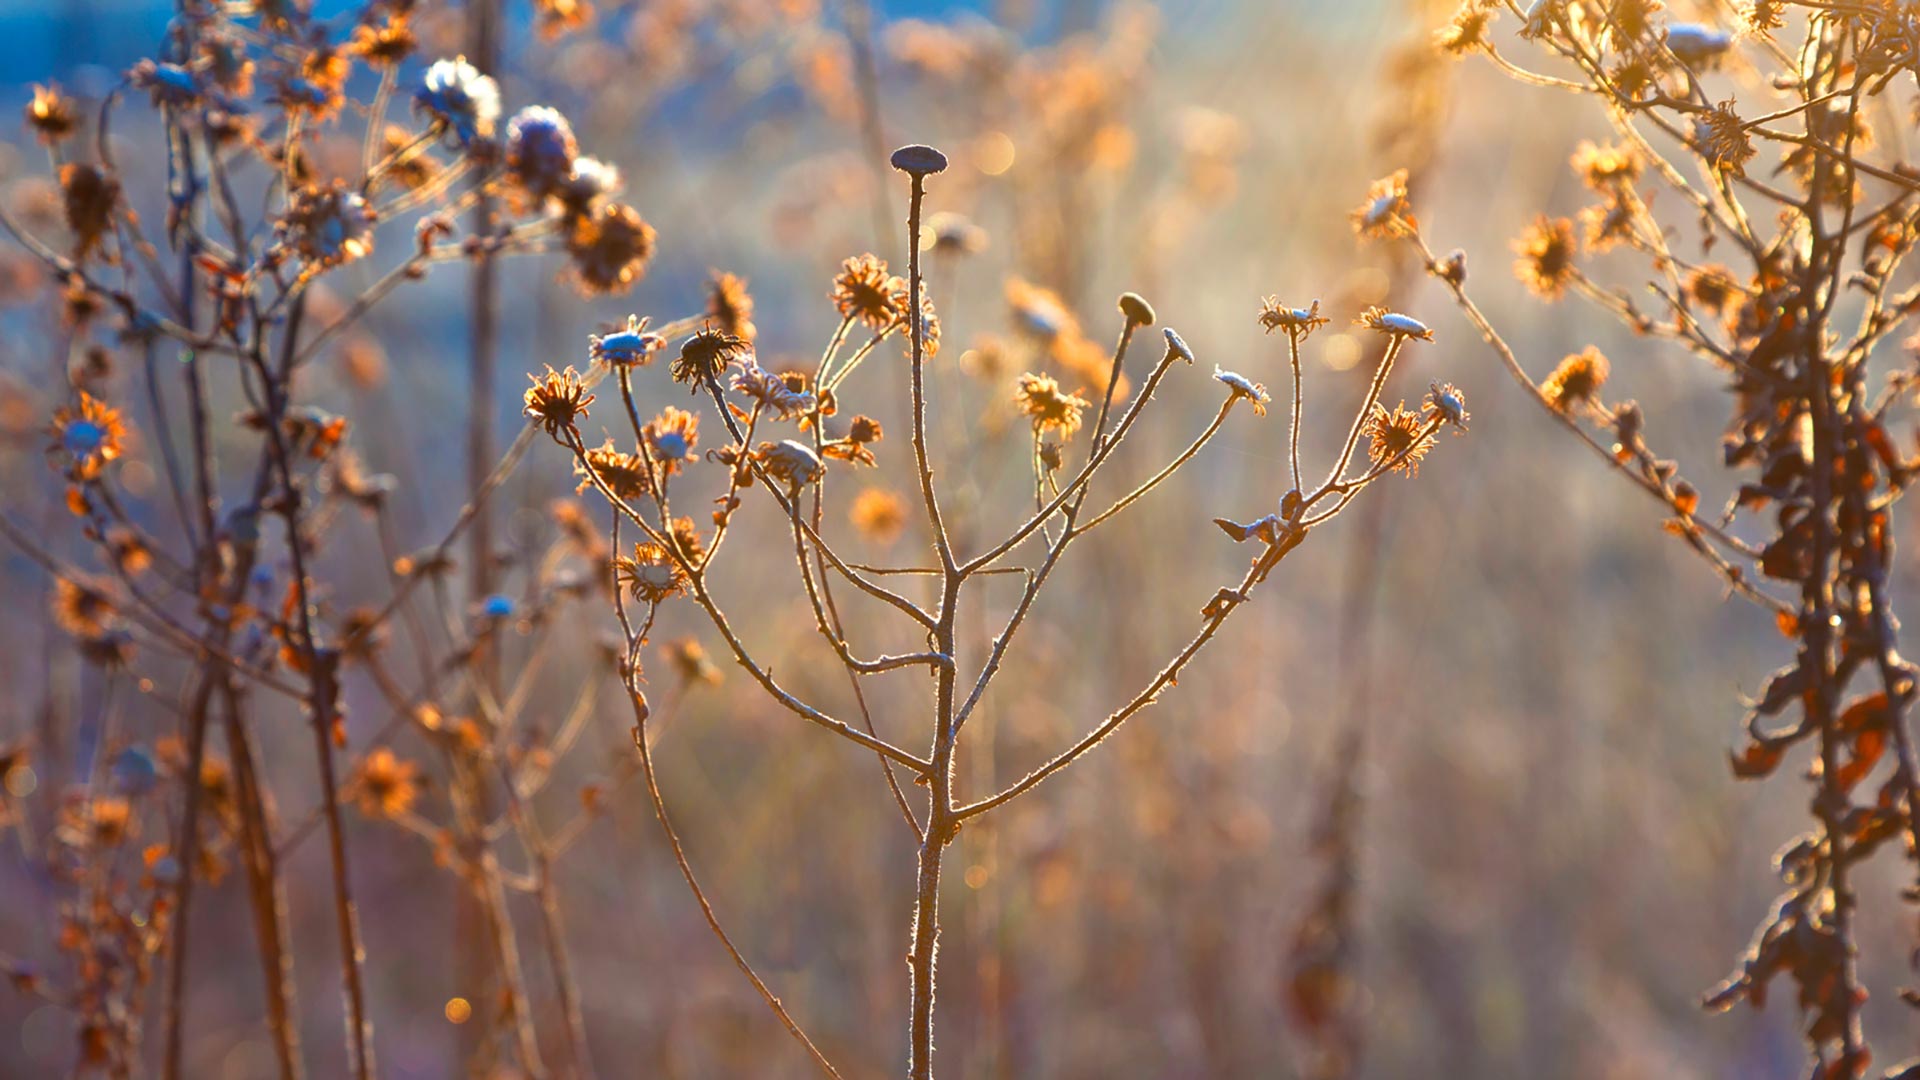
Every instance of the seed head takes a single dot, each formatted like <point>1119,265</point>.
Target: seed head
<point>457,95</point>
<point>1398,437</point>
<point>1448,404</point>
<point>625,348</point>
<point>1394,324</point>
<point>1042,400</point>
<point>705,355</point>
<point>1298,322</point>
<point>651,575</point>
<point>1577,380</point>
<point>1243,387</point>
<point>1136,309</point>
<point>557,400</point>
<point>918,160</point>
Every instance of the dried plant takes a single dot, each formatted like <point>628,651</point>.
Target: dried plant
<point>210,573</point>
<point>1760,135</point>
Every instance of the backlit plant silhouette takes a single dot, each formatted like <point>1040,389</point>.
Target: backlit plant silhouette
<point>677,556</point>
<point>1774,255</point>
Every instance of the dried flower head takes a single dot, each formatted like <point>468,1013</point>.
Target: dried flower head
<point>1387,213</point>
<point>540,150</point>
<point>730,305</point>
<point>630,347</point>
<point>671,437</point>
<point>1547,251</point>
<point>1714,288</point>
<point>83,607</point>
<point>1447,404</point>
<point>792,463</point>
<point>1136,309</point>
<point>610,248</point>
<point>1243,387</point>
<point>1604,167</point>
<point>557,399</point>
<point>929,321</point>
<point>329,226</point>
<point>51,114</point>
<point>88,196</point>
<point>1467,31</point>
<point>1721,136</point>
<point>865,292</point>
<point>456,95</point>
<point>651,575</point>
<point>862,433</point>
<point>705,355</point>
<point>385,785</point>
<point>385,44</point>
<point>1394,324</point>
<point>1041,399</point>
<point>1576,380</point>
<point>1397,439</point>
<point>879,514</point>
<point>86,438</point>
<point>1298,322</point>
<point>772,391</point>
<point>1607,224</point>
<point>623,473</point>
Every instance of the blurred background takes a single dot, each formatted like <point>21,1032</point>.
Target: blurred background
<point>1468,748</point>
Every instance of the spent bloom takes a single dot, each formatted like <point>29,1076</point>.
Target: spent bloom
<point>1394,324</point>
<point>651,575</point>
<point>454,93</point>
<point>557,399</point>
<point>623,473</point>
<point>1397,439</point>
<point>385,785</point>
<point>1445,402</point>
<point>1546,251</point>
<point>671,437</point>
<point>771,390</point>
<point>1387,213</point>
<point>87,437</point>
<point>625,348</point>
<point>540,150</point>
<point>792,463</point>
<point>1576,380</point>
<point>705,355</point>
<point>730,305</point>
<point>865,292</point>
<point>610,248</point>
<point>1244,387</point>
<point>1297,321</point>
<point>1041,399</point>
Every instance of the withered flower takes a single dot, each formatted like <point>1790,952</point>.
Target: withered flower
<point>1394,324</point>
<point>1576,380</point>
<point>705,355</point>
<point>1722,137</point>
<point>1243,387</point>
<point>651,575</point>
<point>1295,321</point>
<point>865,292</point>
<point>624,474</point>
<point>730,305</point>
<point>1448,404</point>
<point>630,347</point>
<point>792,463</point>
<point>51,114</point>
<point>385,785</point>
<point>1468,29</point>
<point>540,150</point>
<point>862,433</point>
<point>88,195</point>
<point>1399,437</point>
<point>610,248</point>
<point>383,45</point>
<point>557,399</point>
<point>83,607</point>
<point>456,95</point>
<point>1387,213</point>
<point>329,226</point>
<point>671,437</point>
<point>1041,400</point>
<point>772,391</point>
<point>879,514</point>
<point>1547,250</point>
<point>87,437</point>
<point>1605,167</point>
